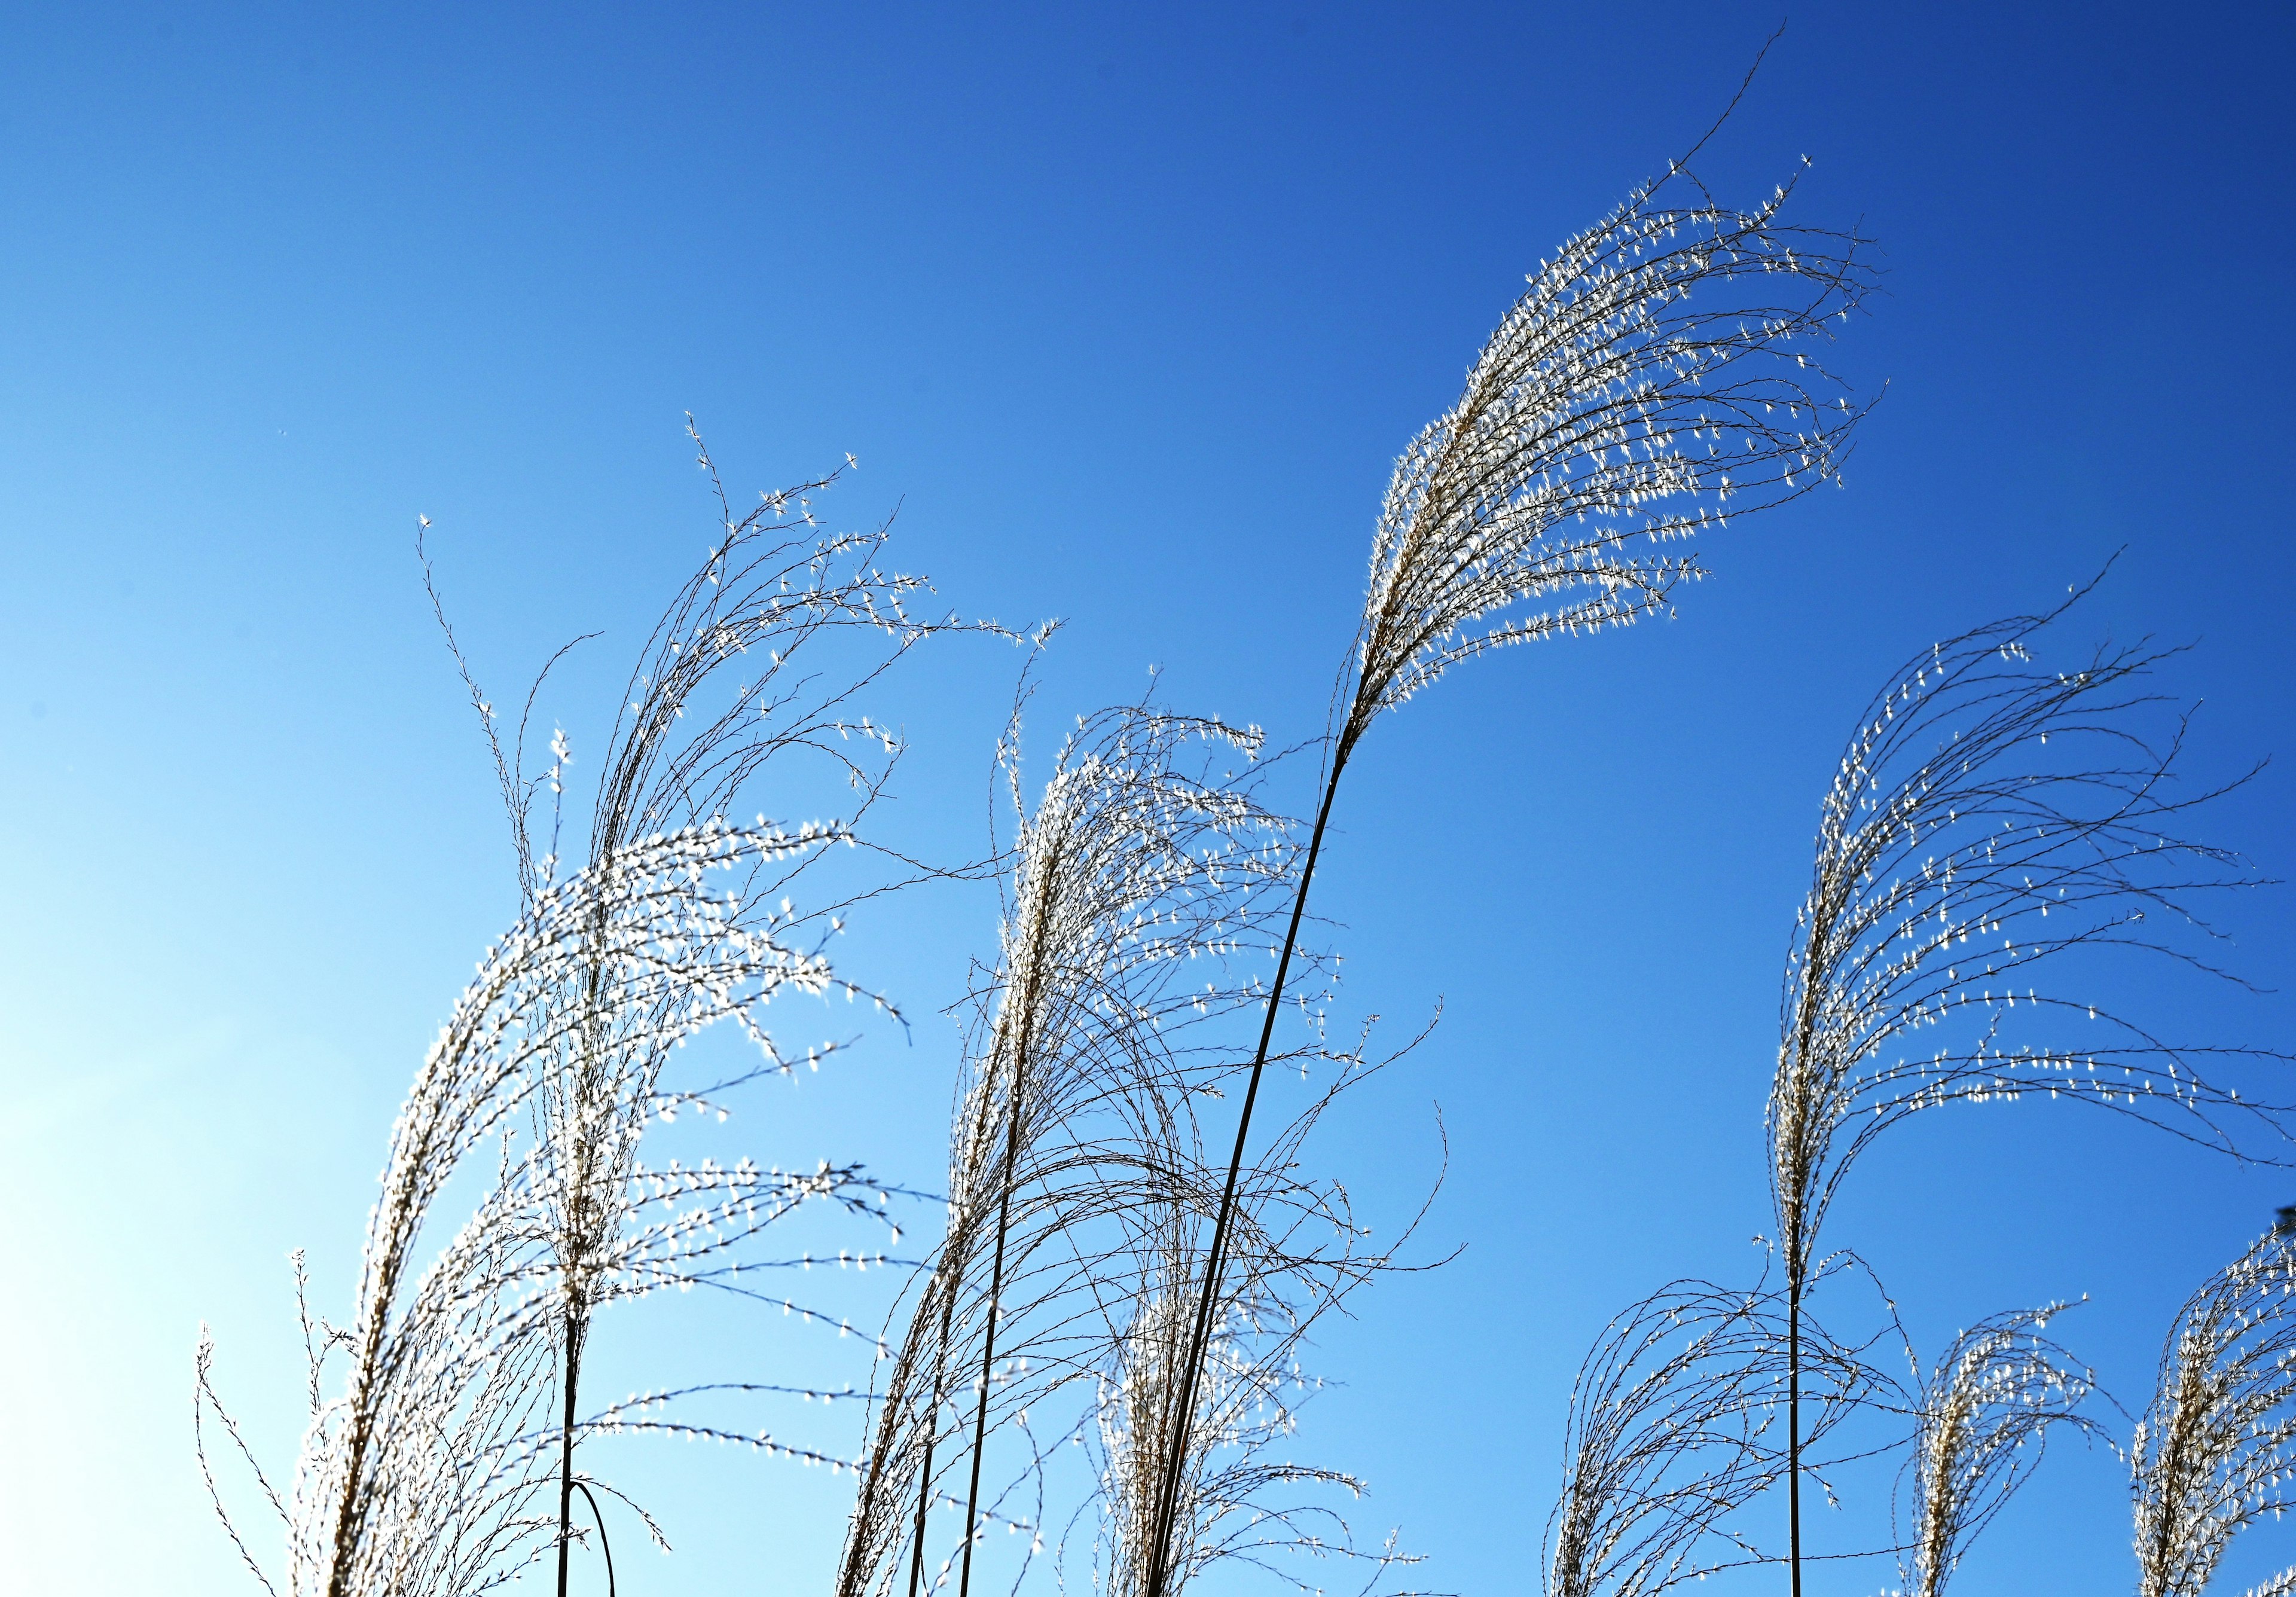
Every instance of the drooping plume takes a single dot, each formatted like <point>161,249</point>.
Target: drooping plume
<point>1675,1426</point>
<point>1661,375</point>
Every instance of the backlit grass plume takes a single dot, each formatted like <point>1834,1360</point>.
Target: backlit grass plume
<point>1244,1498</point>
<point>461,1395</point>
<point>1296,1254</point>
<point>1141,879</point>
<point>772,592</point>
<point>1662,372</point>
<point>2217,1448</point>
<point>438,1468</point>
<point>1660,375</point>
<point>1992,821</point>
<point>1986,1412</point>
<point>1677,1423</point>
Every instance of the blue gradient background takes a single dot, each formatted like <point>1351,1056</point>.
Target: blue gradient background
<point>1128,310</point>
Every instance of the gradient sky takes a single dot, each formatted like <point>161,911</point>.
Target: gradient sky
<point>1128,311</point>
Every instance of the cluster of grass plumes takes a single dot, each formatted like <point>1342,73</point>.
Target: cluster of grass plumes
<point>1986,1412</point>
<point>1134,875</point>
<point>1143,885</point>
<point>1994,824</point>
<point>773,591</point>
<point>1110,1333</point>
<point>421,1476</point>
<point>2217,1447</point>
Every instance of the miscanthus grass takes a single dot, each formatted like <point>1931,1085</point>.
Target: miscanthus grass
<point>1985,1413</point>
<point>772,593</point>
<point>1296,1253</point>
<point>1244,1499</point>
<point>1675,1426</point>
<point>448,1460</point>
<point>2215,1449</point>
<point>1144,882</point>
<point>1663,373</point>
<point>1137,876</point>
<point>1995,826</point>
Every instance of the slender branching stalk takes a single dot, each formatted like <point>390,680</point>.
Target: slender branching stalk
<point>1660,374</point>
<point>2215,1449</point>
<point>1674,1428</point>
<point>1987,1409</point>
<point>1991,822</point>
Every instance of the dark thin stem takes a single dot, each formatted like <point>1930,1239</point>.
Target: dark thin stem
<point>605,1546</point>
<point>940,1364</point>
<point>566,1450</point>
<point>1177,1432</point>
<point>989,1346</point>
<point>932,1433</point>
<point>1793,1429</point>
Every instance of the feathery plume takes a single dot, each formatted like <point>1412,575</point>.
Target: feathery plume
<point>430,1473</point>
<point>1673,1430</point>
<point>1141,882</point>
<point>1985,1416</point>
<point>2217,1446</point>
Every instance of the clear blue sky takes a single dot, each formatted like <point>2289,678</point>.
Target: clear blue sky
<point>1128,310</point>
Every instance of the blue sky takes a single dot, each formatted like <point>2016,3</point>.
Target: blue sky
<point>1127,312</point>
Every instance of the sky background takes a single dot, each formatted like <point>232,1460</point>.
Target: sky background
<point>1128,311</point>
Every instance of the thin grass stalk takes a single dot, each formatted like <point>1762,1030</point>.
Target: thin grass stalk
<point>604,1545</point>
<point>1793,1428</point>
<point>573,1376</point>
<point>1177,1429</point>
<point>946,1285</point>
<point>1604,411</point>
<point>925,1476</point>
<point>988,1338</point>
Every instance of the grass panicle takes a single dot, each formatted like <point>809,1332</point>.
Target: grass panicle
<point>2217,1447</point>
<point>1987,1410</point>
<point>1675,1426</point>
<point>1141,882</point>
<point>458,1416</point>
